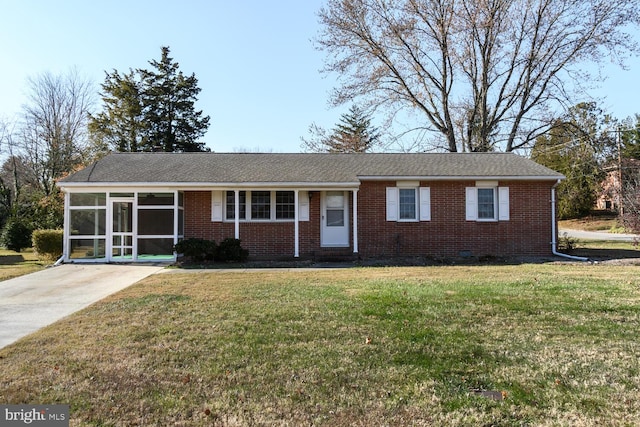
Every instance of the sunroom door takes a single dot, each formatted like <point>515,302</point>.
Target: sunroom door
<point>121,230</point>
<point>334,230</point>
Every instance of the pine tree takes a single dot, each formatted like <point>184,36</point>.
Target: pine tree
<point>120,125</point>
<point>353,134</point>
<point>168,98</point>
<point>149,110</point>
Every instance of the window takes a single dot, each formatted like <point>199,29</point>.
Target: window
<point>408,203</point>
<point>260,205</point>
<point>285,205</point>
<point>487,202</point>
<point>335,208</point>
<point>231,204</point>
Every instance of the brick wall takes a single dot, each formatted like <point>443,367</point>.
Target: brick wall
<point>448,234</point>
<point>273,240</point>
<point>528,232</point>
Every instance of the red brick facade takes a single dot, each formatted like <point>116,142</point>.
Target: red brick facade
<point>448,234</point>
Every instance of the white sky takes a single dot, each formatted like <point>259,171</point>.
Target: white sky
<point>254,60</point>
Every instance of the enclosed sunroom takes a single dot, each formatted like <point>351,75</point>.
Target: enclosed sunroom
<point>120,225</point>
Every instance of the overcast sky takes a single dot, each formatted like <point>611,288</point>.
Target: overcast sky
<point>254,60</point>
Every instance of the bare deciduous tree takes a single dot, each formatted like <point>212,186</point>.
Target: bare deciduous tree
<point>53,137</point>
<point>483,73</point>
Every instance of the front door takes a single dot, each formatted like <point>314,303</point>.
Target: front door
<point>334,231</point>
<point>121,230</point>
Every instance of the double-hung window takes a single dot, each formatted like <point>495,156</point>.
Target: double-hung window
<point>487,202</point>
<point>408,202</point>
<point>285,205</point>
<point>231,205</point>
<point>260,205</point>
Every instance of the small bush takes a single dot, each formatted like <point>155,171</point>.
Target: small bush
<point>197,249</point>
<point>230,250</point>
<point>16,235</point>
<point>566,243</point>
<point>48,243</point>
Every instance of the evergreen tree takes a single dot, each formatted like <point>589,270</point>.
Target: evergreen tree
<point>120,125</point>
<point>149,110</point>
<point>168,98</point>
<point>353,134</point>
<point>574,147</point>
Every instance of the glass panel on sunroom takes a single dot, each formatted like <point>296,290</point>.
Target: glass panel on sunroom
<point>155,199</point>
<point>87,199</point>
<point>155,249</point>
<point>87,222</point>
<point>87,248</point>
<point>155,222</point>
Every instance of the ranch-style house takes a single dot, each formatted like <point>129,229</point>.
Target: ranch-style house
<point>134,207</point>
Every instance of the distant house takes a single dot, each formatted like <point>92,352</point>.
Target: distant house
<point>136,206</point>
<point>611,187</point>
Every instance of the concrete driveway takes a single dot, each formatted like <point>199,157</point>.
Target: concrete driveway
<point>30,302</point>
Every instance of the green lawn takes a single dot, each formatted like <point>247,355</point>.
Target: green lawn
<point>555,344</point>
<point>14,264</point>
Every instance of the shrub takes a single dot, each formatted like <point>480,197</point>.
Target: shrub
<point>197,249</point>
<point>16,235</point>
<point>48,243</point>
<point>230,250</point>
<point>566,243</point>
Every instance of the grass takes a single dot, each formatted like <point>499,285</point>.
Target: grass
<point>556,343</point>
<point>596,222</point>
<point>14,264</point>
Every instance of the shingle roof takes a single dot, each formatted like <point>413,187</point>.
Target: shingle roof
<point>234,168</point>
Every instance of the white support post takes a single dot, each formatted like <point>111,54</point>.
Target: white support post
<point>296,227</point>
<point>355,221</point>
<point>175,221</point>
<point>66,244</point>
<point>236,194</point>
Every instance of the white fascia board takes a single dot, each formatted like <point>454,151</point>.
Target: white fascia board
<point>460,178</point>
<point>131,186</point>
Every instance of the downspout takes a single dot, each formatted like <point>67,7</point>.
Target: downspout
<point>554,243</point>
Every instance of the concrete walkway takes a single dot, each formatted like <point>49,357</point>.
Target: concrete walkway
<point>30,302</point>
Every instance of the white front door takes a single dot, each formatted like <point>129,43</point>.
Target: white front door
<point>334,230</point>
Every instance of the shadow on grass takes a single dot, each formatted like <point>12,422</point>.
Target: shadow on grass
<point>11,259</point>
<point>602,254</point>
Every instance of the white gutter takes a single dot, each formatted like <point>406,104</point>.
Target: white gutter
<point>456,178</point>
<point>554,249</point>
<point>313,186</point>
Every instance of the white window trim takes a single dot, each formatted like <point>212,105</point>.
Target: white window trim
<point>500,202</point>
<point>423,202</point>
